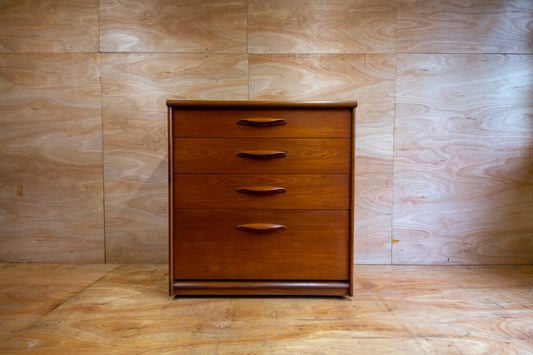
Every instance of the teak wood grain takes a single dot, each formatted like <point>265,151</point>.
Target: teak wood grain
<point>208,245</point>
<point>298,123</point>
<point>271,210</point>
<point>219,155</point>
<point>312,191</point>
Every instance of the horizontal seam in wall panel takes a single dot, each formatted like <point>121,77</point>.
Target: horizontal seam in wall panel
<point>317,53</point>
<point>189,53</point>
<point>463,53</point>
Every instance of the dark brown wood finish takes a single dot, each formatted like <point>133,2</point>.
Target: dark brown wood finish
<point>295,123</point>
<point>170,202</point>
<point>261,197</point>
<point>313,245</point>
<point>270,288</point>
<point>311,191</point>
<point>302,156</point>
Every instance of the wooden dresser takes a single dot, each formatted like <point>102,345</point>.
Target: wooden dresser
<point>261,197</point>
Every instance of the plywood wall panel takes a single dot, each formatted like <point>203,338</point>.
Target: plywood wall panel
<point>463,160</point>
<point>370,80</point>
<point>135,88</point>
<point>51,196</point>
<point>186,26</point>
<point>49,26</point>
<point>322,26</point>
<point>469,26</point>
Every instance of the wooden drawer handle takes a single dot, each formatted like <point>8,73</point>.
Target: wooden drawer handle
<point>261,190</point>
<point>261,154</point>
<point>262,122</point>
<point>261,227</point>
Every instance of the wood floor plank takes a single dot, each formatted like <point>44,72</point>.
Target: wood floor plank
<point>396,309</point>
<point>29,291</point>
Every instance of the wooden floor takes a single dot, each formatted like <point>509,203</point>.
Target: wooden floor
<point>57,309</point>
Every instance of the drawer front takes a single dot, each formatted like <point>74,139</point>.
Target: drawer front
<point>291,156</point>
<point>313,246</point>
<point>282,123</point>
<point>257,191</point>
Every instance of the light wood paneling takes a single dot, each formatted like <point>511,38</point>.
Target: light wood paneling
<point>186,26</point>
<point>51,199</point>
<point>470,26</point>
<point>395,310</point>
<point>463,162</point>
<point>51,139</point>
<point>370,80</point>
<point>135,88</point>
<point>49,26</point>
<point>321,26</point>
<point>30,291</point>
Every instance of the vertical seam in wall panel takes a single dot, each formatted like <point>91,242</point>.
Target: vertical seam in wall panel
<point>103,158</point>
<point>102,132</point>
<point>394,116</point>
<point>247,50</point>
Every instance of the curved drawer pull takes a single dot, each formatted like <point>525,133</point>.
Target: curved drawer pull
<point>261,190</point>
<point>262,122</point>
<point>261,154</point>
<point>261,227</point>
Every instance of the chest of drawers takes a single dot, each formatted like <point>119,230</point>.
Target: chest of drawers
<point>261,197</point>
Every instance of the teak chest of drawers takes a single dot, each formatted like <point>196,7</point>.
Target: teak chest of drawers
<point>261,197</point>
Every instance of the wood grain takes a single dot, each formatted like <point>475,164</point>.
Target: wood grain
<point>474,26</point>
<point>396,309</point>
<point>371,80</point>
<point>321,26</point>
<point>29,291</point>
<point>220,155</point>
<point>48,26</point>
<point>135,88</point>
<point>51,158</point>
<point>187,26</point>
<point>312,246</point>
<point>297,123</point>
<point>301,191</point>
<point>463,178</point>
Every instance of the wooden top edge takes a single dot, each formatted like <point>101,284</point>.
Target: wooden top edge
<point>249,103</point>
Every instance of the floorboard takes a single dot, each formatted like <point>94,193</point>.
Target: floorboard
<point>51,308</point>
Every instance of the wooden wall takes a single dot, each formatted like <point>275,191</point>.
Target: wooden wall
<point>444,133</point>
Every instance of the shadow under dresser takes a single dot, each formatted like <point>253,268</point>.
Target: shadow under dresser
<point>261,197</point>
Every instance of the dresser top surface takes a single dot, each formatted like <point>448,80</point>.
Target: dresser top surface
<point>260,104</point>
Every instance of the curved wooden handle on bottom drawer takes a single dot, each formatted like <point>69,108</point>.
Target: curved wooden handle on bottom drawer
<point>261,154</point>
<point>261,190</point>
<point>262,122</point>
<point>260,227</point>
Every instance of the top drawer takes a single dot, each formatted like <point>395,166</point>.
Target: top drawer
<point>321,122</point>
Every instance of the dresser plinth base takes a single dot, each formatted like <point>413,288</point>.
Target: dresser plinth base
<point>273,288</point>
